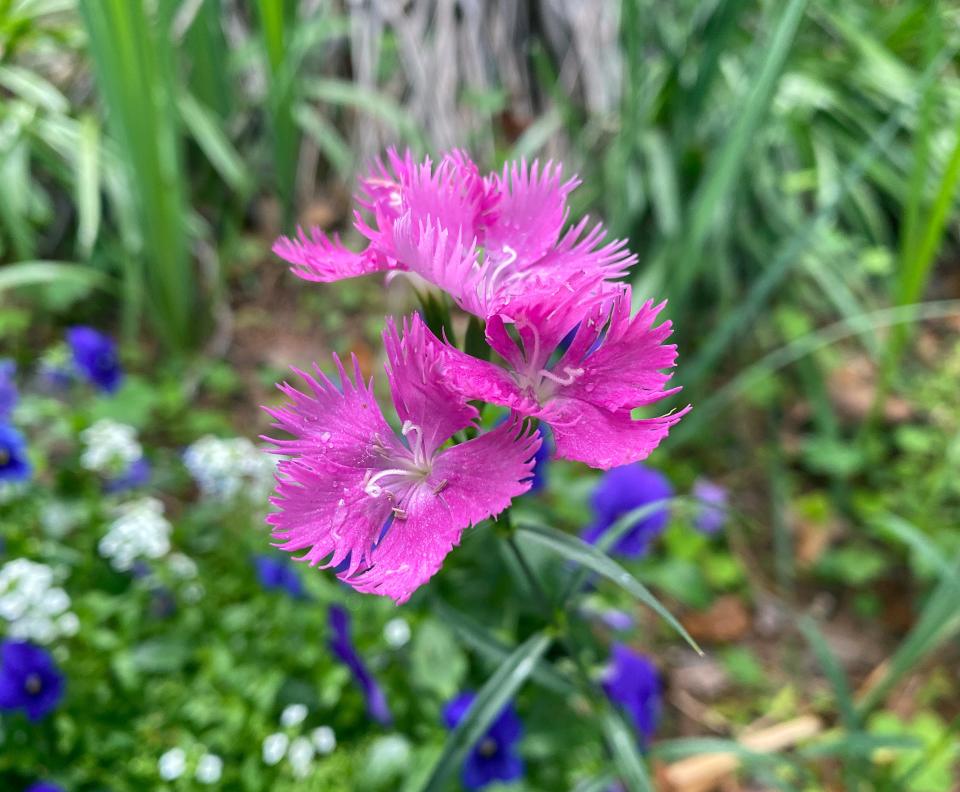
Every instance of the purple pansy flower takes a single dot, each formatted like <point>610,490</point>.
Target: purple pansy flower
<point>8,388</point>
<point>95,356</point>
<point>29,679</point>
<point>342,646</point>
<point>619,492</point>
<point>14,465</point>
<point>44,786</point>
<point>632,682</point>
<point>275,574</point>
<point>712,512</point>
<point>495,756</point>
<point>136,475</point>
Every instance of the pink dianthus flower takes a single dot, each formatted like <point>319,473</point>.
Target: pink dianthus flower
<point>381,508</point>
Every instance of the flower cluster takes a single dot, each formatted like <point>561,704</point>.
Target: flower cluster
<point>110,448</point>
<point>302,749</point>
<point>563,347</point>
<point>33,607</point>
<point>140,531</point>
<point>173,764</point>
<point>225,468</point>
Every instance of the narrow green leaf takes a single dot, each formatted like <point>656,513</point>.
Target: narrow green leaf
<point>483,642</point>
<point>914,538</point>
<point>575,549</point>
<point>326,136</point>
<point>621,526</point>
<point>205,128</point>
<point>939,621</point>
<point>37,273</point>
<point>88,184</point>
<point>489,703</point>
<point>626,754</point>
<point>348,94</point>
<point>31,87</point>
<point>834,672</point>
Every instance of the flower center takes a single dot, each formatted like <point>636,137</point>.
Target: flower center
<point>393,482</point>
<point>488,747</point>
<point>33,684</point>
<point>5,457</point>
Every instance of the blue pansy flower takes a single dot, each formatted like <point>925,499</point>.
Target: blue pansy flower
<point>495,756</point>
<point>620,491</point>
<point>44,786</point>
<point>95,356</point>
<point>8,388</point>
<point>632,682</point>
<point>14,465</point>
<point>275,574</point>
<point>342,647</point>
<point>29,679</point>
<point>712,502</point>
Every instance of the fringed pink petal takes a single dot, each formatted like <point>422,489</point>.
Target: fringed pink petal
<point>339,435</point>
<point>531,211</point>
<point>625,369</point>
<point>421,391</point>
<point>601,438</point>
<point>317,257</point>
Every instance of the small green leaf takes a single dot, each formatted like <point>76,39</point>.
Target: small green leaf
<point>436,662</point>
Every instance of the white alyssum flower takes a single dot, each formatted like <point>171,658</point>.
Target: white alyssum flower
<point>140,531</point>
<point>110,447</point>
<point>172,764</point>
<point>301,757</point>
<point>58,518</point>
<point>275,748</point>
<point>323,739</point>
<point>182,566</point>
<point>293,715</point>
<point>396,632</point>
<point>227,468</point>
<point>209,769</point>
<point>35,609</point>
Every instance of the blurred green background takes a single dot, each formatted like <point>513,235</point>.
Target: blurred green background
<point>787,173</point>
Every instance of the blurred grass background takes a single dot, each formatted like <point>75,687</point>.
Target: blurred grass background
<point>787,172</point>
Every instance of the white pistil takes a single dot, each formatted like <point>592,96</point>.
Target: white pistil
<point>572,374</point>
<point>373,489</point>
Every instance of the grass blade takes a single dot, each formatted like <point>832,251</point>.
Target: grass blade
<point>724,169</point>
<point>576,550</point>
<point>626,755</point>
<point>490,701</point>
<point>133,59</point>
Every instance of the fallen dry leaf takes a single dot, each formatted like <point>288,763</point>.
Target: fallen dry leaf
<point>727,619</point>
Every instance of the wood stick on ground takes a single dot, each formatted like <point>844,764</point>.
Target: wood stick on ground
<point>703,773</point>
